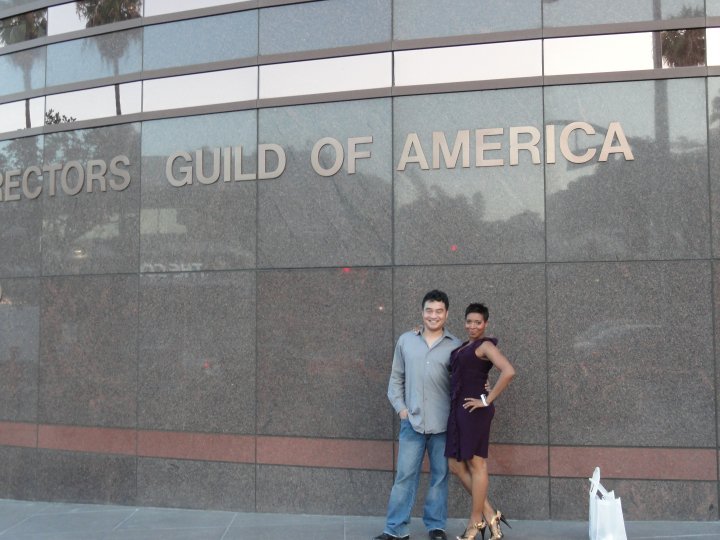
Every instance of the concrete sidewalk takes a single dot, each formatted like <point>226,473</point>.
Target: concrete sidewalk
<point>23,520</point>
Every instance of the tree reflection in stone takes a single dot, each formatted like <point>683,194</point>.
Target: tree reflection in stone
<point>20,221</point>
<point>653,207</point>
<point>102,226</point>
<point>684,47</point>
<point>99,12</point>
<point>23,27</point>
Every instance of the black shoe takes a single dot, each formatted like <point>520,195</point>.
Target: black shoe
<point>437,534</point>
<point>386,536</point>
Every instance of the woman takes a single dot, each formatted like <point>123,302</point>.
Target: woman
<point>471,412</point>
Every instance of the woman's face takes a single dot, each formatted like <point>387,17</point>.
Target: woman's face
<point>475,325</point>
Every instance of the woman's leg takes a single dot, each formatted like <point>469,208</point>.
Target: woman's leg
<point>488,510</point>
<point>460,469</point>
<point>478,488</point>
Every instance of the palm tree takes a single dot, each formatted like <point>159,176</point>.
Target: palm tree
<point>683,47</point>
<point>99,12</point>
<point>673,48</point>
<point>30,25</point>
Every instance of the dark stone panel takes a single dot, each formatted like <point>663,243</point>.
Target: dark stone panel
<point>716,306</point>
<point>196,484</point>
<point>199,226</point>
<point>20,220</point>
<point>654,206</point>
<point>631,359</point>
<point>17,473</point>
<point>19,343</point>
<point>197,352</point>
<point>93,232</point>
<point>305,490</point>
<point>345,219</point>
<point>515,295</point>
<point>449,213</point>
<point>518,497</point>
<point>713,84</point>
<point>641,499</point>
<point>88,351</point>
<point>89,478</point>
<point>324,353</point>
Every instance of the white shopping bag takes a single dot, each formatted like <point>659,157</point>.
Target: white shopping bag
<point>606,517</point>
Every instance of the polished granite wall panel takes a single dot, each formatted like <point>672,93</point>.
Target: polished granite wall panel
<point>199,226</point>
<point>20,220</point>
<point>653,207</point>
<point>306,219</point>
<point>716,306</point>
<point>641,499</point>
<point>323,25</point>
<point>417,19</point>
<point>22,71</point>
<point>197,352</point>
<point>520,497</point>
<point>94,57</point>
<point>202,40</point>
<point>74,477</point>
<point>92,232</point>
<point>19,344</point>
<point>88,351</point>
<point>17,473</point>
<point>196,484</point>
<point>452,213</point>
<point>622,337</point>
<point>322,491</point>
<point>324,343</point>
<point>515,295</point>
<point>713,89</point>
<point>578,12</point>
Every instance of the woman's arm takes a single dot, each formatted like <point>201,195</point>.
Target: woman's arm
<point>507,373</point>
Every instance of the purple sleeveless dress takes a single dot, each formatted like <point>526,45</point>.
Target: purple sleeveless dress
<point>468,433</point>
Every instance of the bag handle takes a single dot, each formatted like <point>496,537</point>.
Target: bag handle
<point>595,484</point>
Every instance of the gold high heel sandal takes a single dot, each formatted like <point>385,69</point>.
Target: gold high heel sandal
<point>469,535</point>
<point>494,525</point>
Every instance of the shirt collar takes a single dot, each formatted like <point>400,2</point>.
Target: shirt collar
<point>446,334</point>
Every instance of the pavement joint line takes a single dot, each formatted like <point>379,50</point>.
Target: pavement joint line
<point>125,520</point>
<point>229,525</point>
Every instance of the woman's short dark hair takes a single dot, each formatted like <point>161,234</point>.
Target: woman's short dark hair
<point>436,296</point>
<point>478,308</point>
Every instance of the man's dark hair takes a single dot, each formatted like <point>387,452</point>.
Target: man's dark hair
<point>436,296</point>
<point>478,308</point>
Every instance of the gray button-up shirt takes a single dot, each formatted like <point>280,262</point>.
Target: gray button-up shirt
<point>420,380</point>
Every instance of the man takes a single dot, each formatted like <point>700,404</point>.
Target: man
<point>419,391</point>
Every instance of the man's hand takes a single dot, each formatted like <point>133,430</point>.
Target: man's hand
<point>403,414</point>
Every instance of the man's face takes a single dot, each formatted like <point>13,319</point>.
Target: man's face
<point>434,315</point>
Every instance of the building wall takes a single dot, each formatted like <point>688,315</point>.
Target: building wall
<point>227,343</point>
